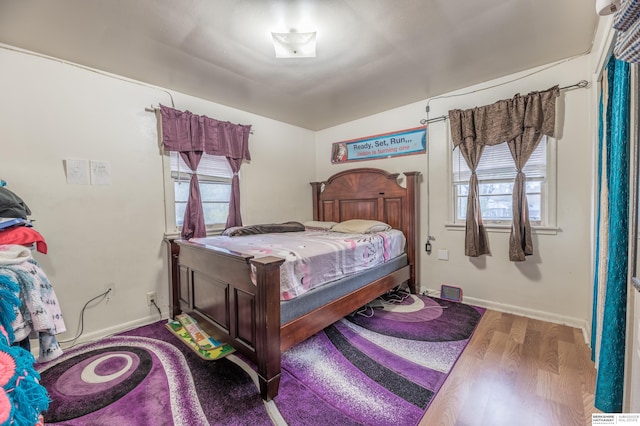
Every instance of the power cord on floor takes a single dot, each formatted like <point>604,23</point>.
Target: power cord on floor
<point>81,321</point>
<point>395,297</point>
<point>365,311</point>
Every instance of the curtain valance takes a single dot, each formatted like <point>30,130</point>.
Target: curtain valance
<point>184,131</point>
<point>506,119</point>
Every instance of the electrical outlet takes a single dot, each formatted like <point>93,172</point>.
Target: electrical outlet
<point>151,298</point>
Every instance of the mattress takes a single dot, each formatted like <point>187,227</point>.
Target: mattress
<point>319,296</point>
<point>315,258</point>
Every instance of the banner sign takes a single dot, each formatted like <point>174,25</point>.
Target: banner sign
<point>403,142</point>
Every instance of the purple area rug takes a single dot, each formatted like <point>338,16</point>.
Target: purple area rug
<point>147,376</point>
<point>363,370</point>
<point>380,369</point>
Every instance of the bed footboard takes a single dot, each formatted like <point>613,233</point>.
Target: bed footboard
<point>215,288</point>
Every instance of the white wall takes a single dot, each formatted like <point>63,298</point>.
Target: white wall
<point>553,284</point>
<point>51,111</point>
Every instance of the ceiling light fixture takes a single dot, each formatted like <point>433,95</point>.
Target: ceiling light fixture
<point>294,45</point>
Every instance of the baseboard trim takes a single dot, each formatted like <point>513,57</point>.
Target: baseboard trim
<point>105,332</point>
<point>531,313</point>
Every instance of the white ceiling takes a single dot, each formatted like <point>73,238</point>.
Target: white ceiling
<point>372,55</point>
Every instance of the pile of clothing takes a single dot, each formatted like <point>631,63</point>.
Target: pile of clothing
<point>15,227</point>
<point>28,306</point>
<point>38,311</point>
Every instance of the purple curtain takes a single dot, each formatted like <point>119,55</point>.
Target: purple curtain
<point>234,218</point>
<point>191,135</point>
<point>193,224</point>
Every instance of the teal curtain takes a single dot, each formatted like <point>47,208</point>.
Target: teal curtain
<point>611,350</point>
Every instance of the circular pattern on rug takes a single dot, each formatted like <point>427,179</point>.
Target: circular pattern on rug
<point>423,318</point>
<point>90,381</point>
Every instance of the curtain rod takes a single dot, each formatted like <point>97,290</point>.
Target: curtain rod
<point>154,110</point>
<point>582,84</point>
<point>431,120</point>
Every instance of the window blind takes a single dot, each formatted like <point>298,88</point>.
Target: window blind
<point>210,165</point>
<point>496,163</point>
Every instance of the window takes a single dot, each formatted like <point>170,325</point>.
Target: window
<point>214,177</point>
<point>496,173</point>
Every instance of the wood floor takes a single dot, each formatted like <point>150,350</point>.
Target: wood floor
<point>518,371</point>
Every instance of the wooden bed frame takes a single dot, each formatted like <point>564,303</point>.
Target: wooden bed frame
<point>215,288</point>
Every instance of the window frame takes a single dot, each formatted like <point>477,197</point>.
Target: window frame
<point>548,200</point>
<point>172,229</point>
<point>489,220</point>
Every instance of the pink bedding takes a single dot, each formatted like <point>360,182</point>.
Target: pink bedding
<point>313,258</point>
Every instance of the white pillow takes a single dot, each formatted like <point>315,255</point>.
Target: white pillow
<point>319,225</point>
<point>361,226</point>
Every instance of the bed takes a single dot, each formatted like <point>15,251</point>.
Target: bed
<point>236,297</point>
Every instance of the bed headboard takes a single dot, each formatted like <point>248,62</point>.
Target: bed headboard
<point>368,193</point>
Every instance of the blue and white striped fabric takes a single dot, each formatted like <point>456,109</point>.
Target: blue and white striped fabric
<point>627,22</point>
<point>627,15</point>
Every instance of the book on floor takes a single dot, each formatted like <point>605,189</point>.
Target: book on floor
<point>218,352</point>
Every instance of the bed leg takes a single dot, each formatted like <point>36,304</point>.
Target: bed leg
<point>269,388</point>
<point>268,324</point>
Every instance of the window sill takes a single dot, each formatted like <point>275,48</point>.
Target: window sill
<point>176,234</point>
<point>172,235</point>
<point>506,228</point>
